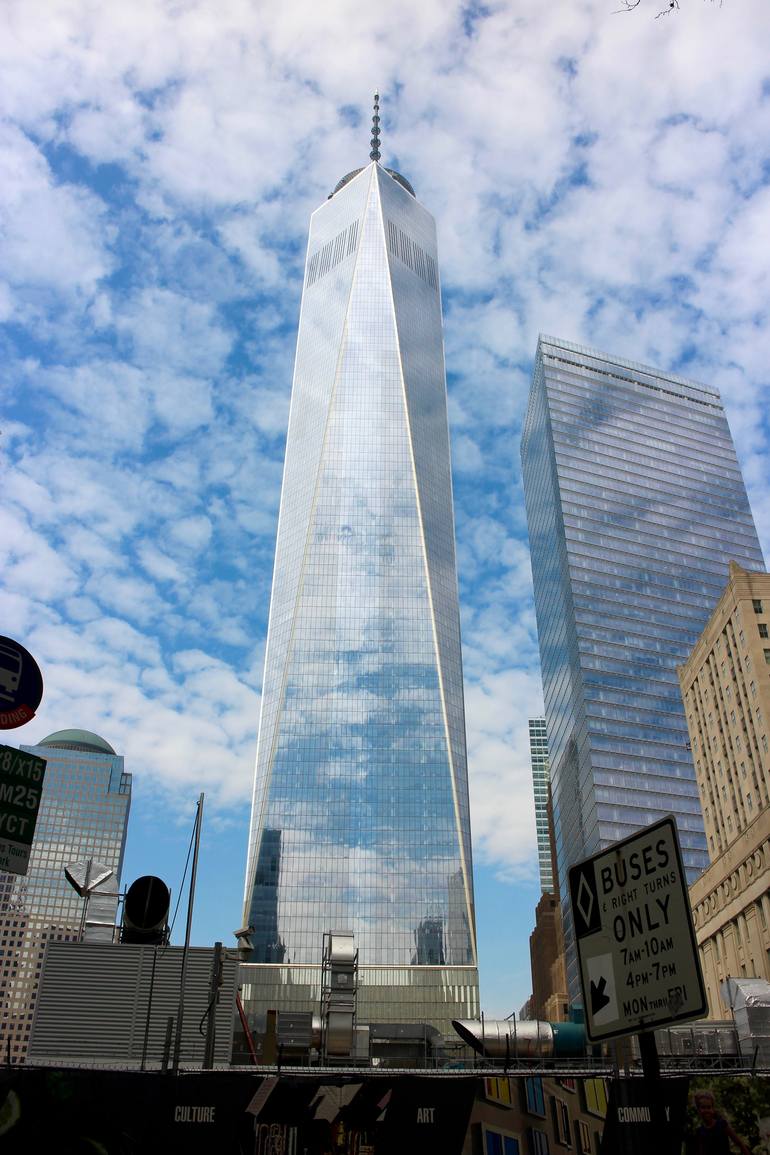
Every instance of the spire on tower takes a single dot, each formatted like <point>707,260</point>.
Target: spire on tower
<point>375,153</point>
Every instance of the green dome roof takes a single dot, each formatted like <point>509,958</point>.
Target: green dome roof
<point>78,740</point>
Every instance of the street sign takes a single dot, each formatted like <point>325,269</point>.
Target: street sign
<point>636,945</point>
<point>21,786</point>
<point>21,685</point>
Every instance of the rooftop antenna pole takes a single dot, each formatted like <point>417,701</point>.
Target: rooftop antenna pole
<point>186,948</point>
<point>375,153</point>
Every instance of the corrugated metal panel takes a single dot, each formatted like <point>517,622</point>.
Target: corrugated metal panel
<point>95,1004</point>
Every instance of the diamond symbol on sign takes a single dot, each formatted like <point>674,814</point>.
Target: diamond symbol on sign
<point>585,900</point>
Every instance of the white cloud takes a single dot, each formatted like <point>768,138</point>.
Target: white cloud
<point>193,532</point>
<point>159,565</point>
<point>54,234</point>
<point>31,565</point>
<point>167,330</point>
<point>498,707</point>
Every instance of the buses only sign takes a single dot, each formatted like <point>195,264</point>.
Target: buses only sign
<point>21,786</point>
<point>636,945</point>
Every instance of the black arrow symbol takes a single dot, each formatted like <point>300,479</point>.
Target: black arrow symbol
<point>598,997</point>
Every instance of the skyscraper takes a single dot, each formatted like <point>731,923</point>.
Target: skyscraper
<point>83,814</point>
<point>541,780</point>
<point>726,692</point>
<point>635,505</point>
<point>360,813</point>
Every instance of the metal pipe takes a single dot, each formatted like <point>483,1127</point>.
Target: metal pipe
<point>525,1039</point>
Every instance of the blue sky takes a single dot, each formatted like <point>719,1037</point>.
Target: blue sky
<point>601,176</point>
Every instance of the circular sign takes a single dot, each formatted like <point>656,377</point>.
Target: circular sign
<point>21,685</point>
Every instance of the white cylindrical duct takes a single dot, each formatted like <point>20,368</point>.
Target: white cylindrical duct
<point>522,1038</point>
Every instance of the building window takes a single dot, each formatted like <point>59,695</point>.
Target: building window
<point>757,605</point>
<point>583,1138</point>
<point>595,1096</point>
<point>538,1142</point>
<point>500,1142</point>
<point>535,1099</point>
<point>561,1123</point>
<point>764,742</point>
<point>498,1091</point>
<point>742,638</point>
<point>753,689</point>
<point>762,629</point>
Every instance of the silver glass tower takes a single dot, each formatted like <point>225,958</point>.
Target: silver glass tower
<point>360,811</point>
<point>541,780</point>
<point>635,505</point>
<point>83,815</point>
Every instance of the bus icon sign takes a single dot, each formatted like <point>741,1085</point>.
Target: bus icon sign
<point>21,684</point>
<point>11,663</point>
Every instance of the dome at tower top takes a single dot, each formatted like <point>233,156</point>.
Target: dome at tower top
<point>390,171</point>
<point>402,181</point>
<point>345,180</point>
<point>77,740</point>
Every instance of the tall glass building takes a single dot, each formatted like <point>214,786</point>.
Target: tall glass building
<point>541,779</point>
<point>83,815</point>
<point>360,812</point>
<point>635,505</point>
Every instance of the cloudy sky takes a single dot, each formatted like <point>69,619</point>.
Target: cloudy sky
<point>600,176</point>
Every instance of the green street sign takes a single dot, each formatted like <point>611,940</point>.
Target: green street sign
<point>21,787</point>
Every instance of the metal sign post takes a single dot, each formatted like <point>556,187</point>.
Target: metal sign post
<point>637,952</point>
<point>21,788</point>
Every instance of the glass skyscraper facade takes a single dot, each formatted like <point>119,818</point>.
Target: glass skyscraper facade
<point>360,813</point>
<point>635,506</point>
<point>541,779</point>
<point>83,815</point>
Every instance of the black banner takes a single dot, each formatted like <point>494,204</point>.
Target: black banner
<point>644,1117</point>
<point>74,1112</point>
